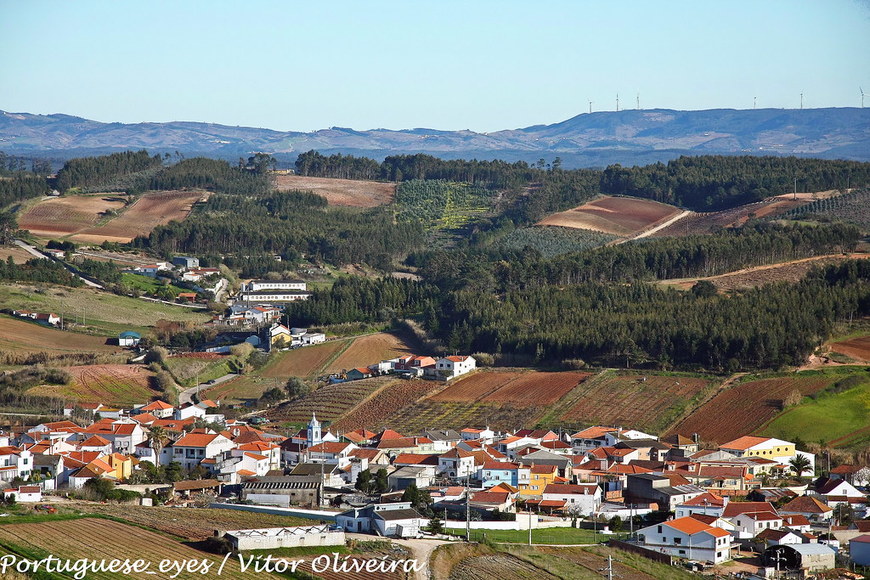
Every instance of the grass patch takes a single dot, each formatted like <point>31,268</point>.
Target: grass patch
<point>829,417</point>
<point>147,284</point>
<point>188,372</point>
<point>539,536</point>
<point>100,312</point>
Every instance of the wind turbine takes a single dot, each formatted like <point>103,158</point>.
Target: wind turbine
<point>862,96</point>
<point>754,99</point>
<point>590,107</point>
<point>617,102</point>
<point>638,101</point>
<point>802,101</point>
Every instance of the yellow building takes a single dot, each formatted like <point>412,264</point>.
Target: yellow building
<point>540,477</point>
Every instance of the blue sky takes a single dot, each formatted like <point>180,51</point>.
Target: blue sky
<point>481,65</point>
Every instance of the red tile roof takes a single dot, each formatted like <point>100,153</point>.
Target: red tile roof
<point>806,505</point>
<point>196,440</point>
<point>735,508</point>
<point>693,526</point>
<point>744,443</point>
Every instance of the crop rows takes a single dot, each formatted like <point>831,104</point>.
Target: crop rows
<point>644,401</point>
<point>430,414</point>
<point>553,240</point>
<point>374,413</point>
<point>744,408</point>
<point>329,402</point>
<point>851,207</point>
<point>440,204</point>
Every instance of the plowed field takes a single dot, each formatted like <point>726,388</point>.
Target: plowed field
<point>60,216</point>
<point>303,362</point>
<point>621,216</point>
<point>19,255</point>
<point>330,402</point>
<point>517,388</point>
<point>346,192</point>
<point>643,401</point>
<point>369,350</point>
<point>856,348</point>
<point>98,539</point>
<point>108,384</point>
<point>744,408</point>
<point>705,223</point>
<point>374,413</point>
<point>149,211</point>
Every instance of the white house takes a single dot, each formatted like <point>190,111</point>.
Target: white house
<point>259,285</point>
<point>456,463</point>
<point>688,538</point>
<point>708,504</point>
<point>581,499</point>
<point>400,523</point>
<point>191,449</point>
<point>25,493</point>
<point>454,366</point>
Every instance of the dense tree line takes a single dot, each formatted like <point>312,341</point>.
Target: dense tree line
<point>693,256</point>
<point>210,174</point>
<point>631,324</point>
<point>85,171</point>
<point>106,272</point>
<point>501,268</point>
<point>37,270</point>
<point>702,183</point>
<point>289,225</point>
<point>714,182</point>
<point>10,164</point>
<point>354,299</point>
<point>22,185</point>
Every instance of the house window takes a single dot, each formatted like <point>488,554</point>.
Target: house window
<point>678,541</point>
<point>682,551</point>
<point>659,530</point>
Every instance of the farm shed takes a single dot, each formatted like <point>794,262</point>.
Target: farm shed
<point>129,338</point>
<point>805,557</point>
<point>291,537</point>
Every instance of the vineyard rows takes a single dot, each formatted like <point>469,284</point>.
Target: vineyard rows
<point>850,207</point>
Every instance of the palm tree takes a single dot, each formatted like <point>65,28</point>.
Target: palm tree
<point>799,464</point>
<point>157,438</point>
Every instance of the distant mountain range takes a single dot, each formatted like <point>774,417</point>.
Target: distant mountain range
<point>587,140</point>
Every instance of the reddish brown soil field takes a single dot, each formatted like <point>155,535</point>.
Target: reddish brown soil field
<point>856,348</point>
<point>374,413</point>
<point>21,336</point>
<point>149,211</point>
<point>368,350</point>
<point>330,402</point>
<point>305,361</point>
<point>705,223</point>
<point>61,216</point>
<point>346,192</point>
<point>475,387</point>
<point>743,409</point>
<point>109,384</point>
<point>630,400</point>
<point>536,388</point>
<point>621,216</point>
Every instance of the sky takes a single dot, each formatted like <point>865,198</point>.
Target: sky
<point>483,65</point>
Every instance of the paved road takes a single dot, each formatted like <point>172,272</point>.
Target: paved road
<point>186,396</point>
<point>663,225</point>
<point>30,249</point>
<point>34,252</point>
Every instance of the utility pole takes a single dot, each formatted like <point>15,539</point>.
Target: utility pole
<point>530,526</point>
<point>795,189</point>
<point>468,507</point>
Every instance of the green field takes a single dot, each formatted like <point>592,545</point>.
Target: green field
<point>94,311</point>
<point>842,419</point>
<point>539,536</point>
<point>147,284</point>
<point>189,372</point>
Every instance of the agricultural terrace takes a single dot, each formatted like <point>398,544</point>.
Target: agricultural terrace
<point>102,312</point>
<point>57,217</point>
<point>428,414</point>
<point>330,402</point>
<point>97,538</point>
<point>646,401</point>
<point>852,207</point>
<point>146,213</point>
<point>303,362</point>
<point>708,222</point>
<point>523,389</point>
<point>18,255</point>
<point>195,524</point>
<point>856,348</point>
<point>744,408</point>
<point>113,384</point>
<point>343,192</point>
<point>240,389</point>
<point>839,419</point>
<point>20,336</point>
<point>367,350</point>
<point>620,216</point>
<point>374,413</point>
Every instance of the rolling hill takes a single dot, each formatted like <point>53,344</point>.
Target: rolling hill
<point>595,139</point>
